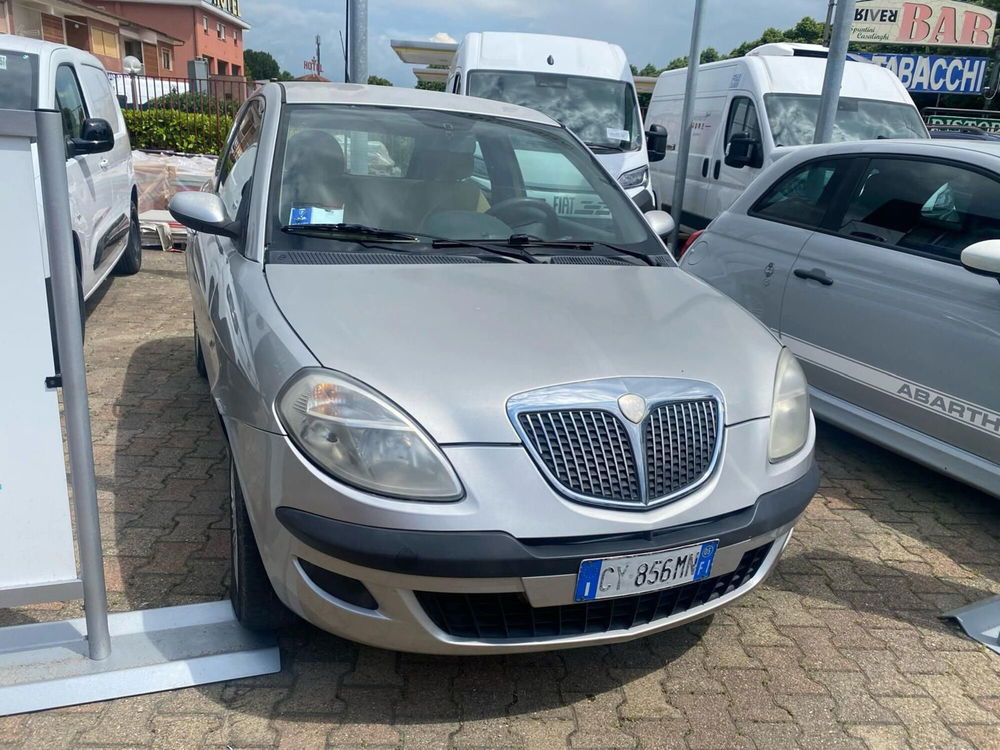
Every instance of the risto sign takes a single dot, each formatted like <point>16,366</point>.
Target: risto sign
<point>940,23</point>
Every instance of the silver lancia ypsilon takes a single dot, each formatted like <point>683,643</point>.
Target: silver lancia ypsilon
<point>471,403</point>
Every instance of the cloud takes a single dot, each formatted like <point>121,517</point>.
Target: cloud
<point>444,38</point>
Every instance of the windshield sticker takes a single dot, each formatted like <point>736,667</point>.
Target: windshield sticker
<point>3,62</point>
<point>331,214</point>
<point>617,134</point>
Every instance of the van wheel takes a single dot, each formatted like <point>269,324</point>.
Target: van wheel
<point>256,605</point>
<point>199,353</point>
<point>131,260</point>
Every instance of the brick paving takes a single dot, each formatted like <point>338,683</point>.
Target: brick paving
<point>842,648</point>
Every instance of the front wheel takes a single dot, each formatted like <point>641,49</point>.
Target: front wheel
<point>131,260</point>
<point>256,605</point>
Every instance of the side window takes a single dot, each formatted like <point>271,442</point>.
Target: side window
<point>802,196</point>
<point>236,166</point>
<point>928,207</point>
<point>70,101</point>
<point>742,118</point>
<point>100,99</point>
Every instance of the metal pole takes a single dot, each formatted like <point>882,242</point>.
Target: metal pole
<point>826,24</point>
<point>843,16</point>
<point>69,330</point>
<point>357,41</point>
<point>319,65</point>
<point>684,147</point>
<point>135,90</point>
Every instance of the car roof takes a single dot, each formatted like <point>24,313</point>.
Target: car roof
<point>970,150</point>
<point>309,92</point>
<point>24,44</point>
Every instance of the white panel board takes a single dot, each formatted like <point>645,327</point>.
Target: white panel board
<point>36,538</point>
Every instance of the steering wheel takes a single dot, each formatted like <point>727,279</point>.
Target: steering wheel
<point>523,214</point>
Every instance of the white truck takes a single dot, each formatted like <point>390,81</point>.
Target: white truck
<point>102,188</point>
<point>584,84</point>
<point>748,110</point>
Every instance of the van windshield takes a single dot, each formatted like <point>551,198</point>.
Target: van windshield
<point>18,80</point>
<point>793,119</point>
<point>602,112</point>
<point>444,175</point>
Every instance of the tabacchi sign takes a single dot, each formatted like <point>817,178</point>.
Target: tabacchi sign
<point>939,23</point>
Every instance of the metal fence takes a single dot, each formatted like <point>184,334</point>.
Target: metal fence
<point>213,100</point>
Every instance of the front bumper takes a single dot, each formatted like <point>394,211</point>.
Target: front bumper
<point>477,592</point>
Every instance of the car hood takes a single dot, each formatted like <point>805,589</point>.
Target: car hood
<point>450,344</point>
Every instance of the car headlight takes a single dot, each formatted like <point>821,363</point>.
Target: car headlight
<point>634,178</point>
<point>361,438</point>
<point>789,409</point>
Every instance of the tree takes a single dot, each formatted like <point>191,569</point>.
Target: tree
<point>261,66</point>
<point>378,81</point>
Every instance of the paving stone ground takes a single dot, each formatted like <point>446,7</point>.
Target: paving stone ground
<point>842,648</point>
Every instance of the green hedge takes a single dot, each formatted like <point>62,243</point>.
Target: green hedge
<point>172,130</point>
<point>194,101</point>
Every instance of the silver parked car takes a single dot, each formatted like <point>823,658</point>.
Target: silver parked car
<point>458,421</point>
<point>877,263</point>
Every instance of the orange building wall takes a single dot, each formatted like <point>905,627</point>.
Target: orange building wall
<point>184,22</point>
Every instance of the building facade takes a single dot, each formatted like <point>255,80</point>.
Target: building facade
<point>105,35</point>
<point>211,30</point>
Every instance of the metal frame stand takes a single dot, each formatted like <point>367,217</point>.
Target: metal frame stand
<point>98,657</point>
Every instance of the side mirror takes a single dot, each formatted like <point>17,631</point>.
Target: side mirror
<point>656,142</point>
<point>743,150</point>
<point>660,222</point>
<point>96,137</point>
<point>983,258</point>
<point>202,212</point>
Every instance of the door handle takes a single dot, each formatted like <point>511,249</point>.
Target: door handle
<point>704,167</point>
<point>718,166</point>
<point>103,163</point>
<point>816,274</point>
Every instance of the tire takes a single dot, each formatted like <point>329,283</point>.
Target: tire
<point>256,605</point>
<point>199,353</point>
<point>131,260</point>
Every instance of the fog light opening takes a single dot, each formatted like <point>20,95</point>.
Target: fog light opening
<point>347,589</point>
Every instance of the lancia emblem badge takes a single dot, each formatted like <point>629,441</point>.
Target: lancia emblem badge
<point>633,407</point>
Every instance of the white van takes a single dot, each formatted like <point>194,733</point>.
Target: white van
<point>584,84</point>
<point>102,188</point>
<point>748,109</point>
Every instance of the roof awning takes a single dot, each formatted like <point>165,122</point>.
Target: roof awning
<point>424,53</point>
<point>645,84</point>
<point>431,75</point>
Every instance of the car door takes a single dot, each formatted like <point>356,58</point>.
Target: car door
<point>748,254</point>
<point>723,183</point>
<point>883,315</point>
<point>209,258</point>
<point>115,164</point>
<point>91,191</point>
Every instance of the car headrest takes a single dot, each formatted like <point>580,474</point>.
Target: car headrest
<point>314,151</point>
<point>452,166</point>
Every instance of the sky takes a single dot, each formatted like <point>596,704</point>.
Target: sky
<point>653,31</point>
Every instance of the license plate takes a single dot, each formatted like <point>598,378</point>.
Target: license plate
<point>604,578</point>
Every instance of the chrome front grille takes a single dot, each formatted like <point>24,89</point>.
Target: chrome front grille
<point>679,439</point>
<point>588,451</point>
<point>582,441</point>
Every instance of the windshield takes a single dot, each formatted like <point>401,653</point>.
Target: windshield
<point>442,175</point>
<point>793,119</point>
<point>603,113</point>
<point>18,77</point>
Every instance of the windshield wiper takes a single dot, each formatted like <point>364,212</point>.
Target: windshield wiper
<point>492,249</point>
<point>526,240</point>
<point>332,230</point>
<point>604,148</point>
